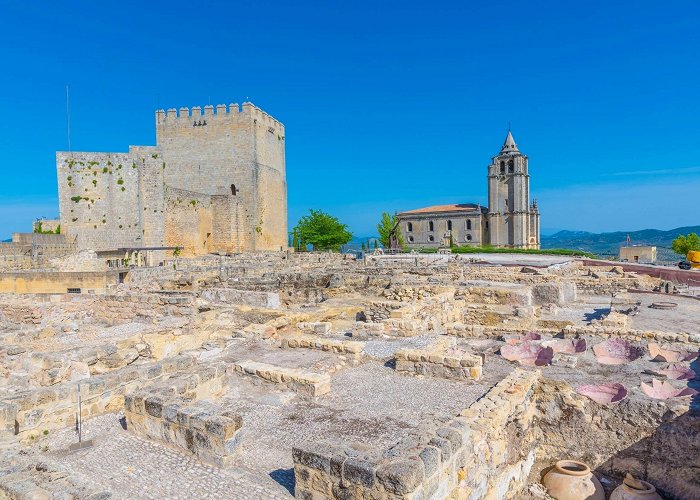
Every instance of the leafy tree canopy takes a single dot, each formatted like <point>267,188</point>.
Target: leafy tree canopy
<point>684,244</point>
<point>322,231</point>
<point>386,224</point>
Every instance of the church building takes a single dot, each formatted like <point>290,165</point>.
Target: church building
<point>509,221</point>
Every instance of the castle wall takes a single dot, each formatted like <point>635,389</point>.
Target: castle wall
<point>188,221</point>
<point>226,223</point>
<point>230,163</point>
<point>210,152</point>
<point>97,196</point>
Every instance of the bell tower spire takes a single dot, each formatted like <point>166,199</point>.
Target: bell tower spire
<point>509,146</point>
<point>511,219</point>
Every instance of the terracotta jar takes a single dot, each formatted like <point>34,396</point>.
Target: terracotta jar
<point>571,480</point>
<point>634,489</point>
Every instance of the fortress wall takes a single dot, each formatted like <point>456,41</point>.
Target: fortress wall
<point>152,199</point>
<point>243,147</point>
<point>97,196</point>
<point>226,234</point>
<point>271,210</point>
<point>188,221</point>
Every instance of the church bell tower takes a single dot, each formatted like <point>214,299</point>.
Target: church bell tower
<point>513,221</point>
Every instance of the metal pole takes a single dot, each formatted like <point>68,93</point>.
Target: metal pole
<point>80,417</point>
<point>68,117</point>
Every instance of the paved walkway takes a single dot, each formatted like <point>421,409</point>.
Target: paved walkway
<point>131,467</point>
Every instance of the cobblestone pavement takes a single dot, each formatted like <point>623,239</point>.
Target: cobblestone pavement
<point>131,467</point>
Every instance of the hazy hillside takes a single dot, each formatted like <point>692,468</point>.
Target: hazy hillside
<point>608,244</point>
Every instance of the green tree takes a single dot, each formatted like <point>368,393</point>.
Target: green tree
<point>295,240</point>
<point>684,244</point>
<point>386,224</point>
<point>322,231</point>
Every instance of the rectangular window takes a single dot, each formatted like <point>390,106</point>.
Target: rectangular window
<point>74,290</point>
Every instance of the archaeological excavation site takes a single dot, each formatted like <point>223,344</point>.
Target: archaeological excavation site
<point>324,376</point>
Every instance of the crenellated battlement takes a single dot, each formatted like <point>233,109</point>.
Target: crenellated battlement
<point>221,113</point>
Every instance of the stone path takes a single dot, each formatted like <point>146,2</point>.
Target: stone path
<point>131,467</point>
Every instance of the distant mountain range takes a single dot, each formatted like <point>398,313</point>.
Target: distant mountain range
<point>608,244</point>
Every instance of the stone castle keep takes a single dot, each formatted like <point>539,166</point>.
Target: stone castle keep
<point>510,220</point>
<point>214,182</point>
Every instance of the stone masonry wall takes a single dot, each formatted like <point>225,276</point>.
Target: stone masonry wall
<point>188,221</point>
<point>486,452</point>
<point>226,149</point>
<point>233,160</point>
<point>98,195</point>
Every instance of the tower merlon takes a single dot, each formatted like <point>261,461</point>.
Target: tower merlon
<point>263,117</point>
<point>183,117</point>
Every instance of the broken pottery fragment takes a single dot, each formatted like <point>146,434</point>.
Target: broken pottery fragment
<point>664,390</point>
<point>669,354</point>
<point>523,338</point>
<point>528,353</point>
<point>616,352</point>
<point>566,346</point>
<point>605,393</point>
<point>678,372</point>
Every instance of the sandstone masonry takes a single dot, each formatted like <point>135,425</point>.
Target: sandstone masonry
<point>215,181</point>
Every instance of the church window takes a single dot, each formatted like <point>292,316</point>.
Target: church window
<point>503,167</point>
<point>234,191</point>
<point>487,225</point>
<point>431,238</point>
<point>469,237</point>
<point>431,226</point>
<point>469,224</point>
<point>410,238</point>
<point>510,166</point>
<point>449,225</point>
<point>409,227</point>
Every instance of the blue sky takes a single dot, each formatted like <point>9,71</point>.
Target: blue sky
<point>387,105</point>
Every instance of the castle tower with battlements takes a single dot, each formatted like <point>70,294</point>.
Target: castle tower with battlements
<point>214,182</point>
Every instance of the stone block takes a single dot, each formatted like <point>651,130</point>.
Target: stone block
<point>430,456</point>
<point>402,476</point>
<point>359,471</point>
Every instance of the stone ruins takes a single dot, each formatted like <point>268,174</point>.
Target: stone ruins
<point>320,376</point>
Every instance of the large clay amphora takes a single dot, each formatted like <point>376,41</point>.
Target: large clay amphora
<point>634,489</point>
<point>571,480</point>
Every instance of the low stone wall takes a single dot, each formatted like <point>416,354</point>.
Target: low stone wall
<point>363,330</point>
<point>486,452</point>
<point>436,364</point>
<point>349,348</point>
<point>201,428</point>
<point>301,381</point>
<point>56,282</point>
<point>317,327</point>
<point>29,413</point>
<point>476,331</point>
<point>269,300</point>
<point>118,308</point>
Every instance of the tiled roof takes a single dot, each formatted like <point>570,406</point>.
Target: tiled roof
<point>460,207</point>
